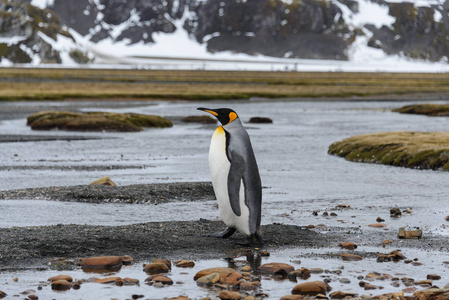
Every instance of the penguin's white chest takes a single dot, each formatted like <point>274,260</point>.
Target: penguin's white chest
<point>219,169</point>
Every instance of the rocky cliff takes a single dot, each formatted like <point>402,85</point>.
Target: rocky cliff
<point>319,29</point>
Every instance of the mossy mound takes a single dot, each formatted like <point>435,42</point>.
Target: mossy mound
<point>94,121</point>
<point>199,119</point>
<point>420,150</point>
<point>431,110</point>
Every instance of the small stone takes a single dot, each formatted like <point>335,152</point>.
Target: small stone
<point>408,211</point>
<point>246,268</point>
<point>380,220</point>
<point>432,293</point>
<point>227,275</point>
<point>311,288</point>
<point>368,286</point>
<point>130,281</point>
<point>259,120</point>
<point>333,214</point>
<point>15,279</point>
<point>127,260</point>
<point>229,295</point>
<point>60,277</point>
<point>107,280</point>
<point>103,181</point>
<point>27,292</point>
<point>155,268</point>
<point>316,270</point>
<point>60,285</point>
<point>395,212</point>
<point>249,298</point>
<point>185,264</point>
<point>341,295</point>
<point>302,273</point>
<point>32,297</point>
<point>378,225</point>
<point>208,280</point>
<point>372,276</point>
<point>409,234</point>
<point>101,263</point>
<point>276,269</point>
<point>349,246</point>
<point>264,253</point>
<point>292,297</point>
<point>447,218</point>
<point>164,280</point>
<point>424,283</point>
<point>396,255</point>
<point>416,264</point>
<point>392,296</point>
<point>383,258</point>
<point>345,281</point>
<point>248,286</point>
<point>387,242</point>
<point>433,277</point>
<point>351,257</point>
<point>164,261</point>
<point>343,206</point>
<point>410,290</point>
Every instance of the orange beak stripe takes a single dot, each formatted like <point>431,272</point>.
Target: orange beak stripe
<point>212,112</point>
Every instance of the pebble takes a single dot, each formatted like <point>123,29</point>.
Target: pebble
<point>292,297</point>
<point>341,295</point>
<point>163,261</point>
<point>164,280</point>
<point>60,277</point>
<point>32,297</point>
<point>351,257</point>
<point>100,263</point>
<point>302,273</point>
<point>155,268</point>
<point>107,280</point>
<point>209,280</point>
<point>345,281</point>
<point>316,270</point>
<point>395,212</point>
<point>276,269</point>
<point>227,275</point>
<point>311,288</point>
<point>184,264</point>
<point>433,277</point>
<point>60,285</point>
<point>246,268</point>
<point>378,225</point>
<point>380,220</point>
<point>349,246</point>
<point>229,295</point>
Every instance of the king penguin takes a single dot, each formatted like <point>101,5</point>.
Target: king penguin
<point>235,177</point>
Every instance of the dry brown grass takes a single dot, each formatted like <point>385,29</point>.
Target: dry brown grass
<point>422,150</point>
<point>38,84</point>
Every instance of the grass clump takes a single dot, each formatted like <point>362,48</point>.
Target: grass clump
<point>418,150</point>
<point>95,121</point>
<point>431,110</point>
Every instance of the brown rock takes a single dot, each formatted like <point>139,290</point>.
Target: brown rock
<point>185,264</point>
<point>103,181</point>
<point>391,296</point>
<point>179,298</point>
<point>258,120</point>
<point>130,281</point>
<point>27,292</point>
<point>433,277</point>
<point>395,212</point>
<point>351,257</point>
<point>396,255</point>
<point>372,276</point>
<point>387,242</point>
<point>302,273</point>
<point>292,297</point>
<point>341,295</point>
<point>380,220</point>
<point>342,206</point>
<point>378,225</point>
<point>208,280</point>
<point>264,253</point>
<point>127,260</point>
<point>409,234</point>
<point>60,285</point>
<point>368,286</point>
<point>410,290</point>
<point>115,280</point>
<point>3,294</point>
<point>432,294</point>
<point>249,286</point>
<point>349,246</point>
<point>311,288</point>
<point>276,269</point>
<point>61,277</point>
<point>159,278</point>
<point>101,263</point>
<point>447,218</point>
<point>424,283</point>
<point>32,297</point>
<point>383,257</point>
<point>156,268</point>
<point>199,119</point>
<point>246,268</point>
<point>227,275</point>
<point>164,261</point>
<point>229,295</point>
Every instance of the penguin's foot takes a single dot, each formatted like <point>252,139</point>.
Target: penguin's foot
<point>222,234</point>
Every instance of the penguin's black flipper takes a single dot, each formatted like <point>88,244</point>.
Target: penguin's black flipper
<point>222,234</point>
<point>234,180</point>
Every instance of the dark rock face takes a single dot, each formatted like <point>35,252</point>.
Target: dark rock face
<point>415,33</point>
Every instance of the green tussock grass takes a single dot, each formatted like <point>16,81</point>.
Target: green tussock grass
<point>60,84</point>
<point>420,150</point>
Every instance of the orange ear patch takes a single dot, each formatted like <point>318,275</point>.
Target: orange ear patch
<point>232,117</point>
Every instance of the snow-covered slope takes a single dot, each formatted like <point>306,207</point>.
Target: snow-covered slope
<point>376,35</point>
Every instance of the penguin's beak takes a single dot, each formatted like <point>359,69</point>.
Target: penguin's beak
<point>208,110</point>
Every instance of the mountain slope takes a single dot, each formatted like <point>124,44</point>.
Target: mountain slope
<point>354,30</point>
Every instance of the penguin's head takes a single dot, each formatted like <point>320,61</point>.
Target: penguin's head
<point>224,115</point>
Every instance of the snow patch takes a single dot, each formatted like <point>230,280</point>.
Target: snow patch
<point>42,4</point>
